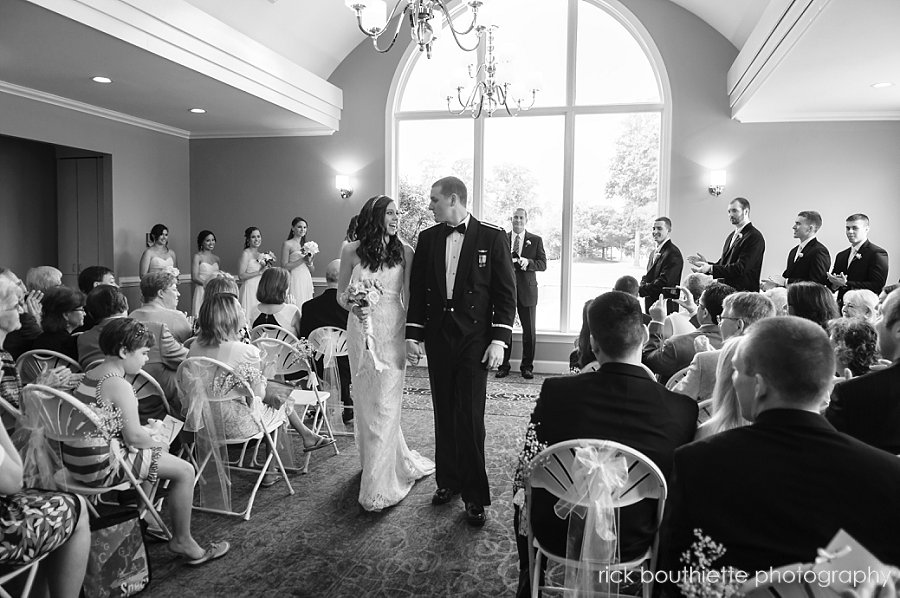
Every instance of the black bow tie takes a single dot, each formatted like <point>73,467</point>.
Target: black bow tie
<point>460,228</point>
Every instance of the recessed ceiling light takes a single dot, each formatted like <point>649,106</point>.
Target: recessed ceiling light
<point>198,110</point>
<point>882,84</point>
<point>101,79</point>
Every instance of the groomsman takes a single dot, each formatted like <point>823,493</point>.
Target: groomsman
<point>740,266</point>
<point>810,259</point>
<point>663,267</point>
<point>528,257</point>
<point>863,265</point>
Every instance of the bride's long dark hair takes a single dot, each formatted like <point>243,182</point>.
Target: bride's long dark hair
<point>370,232</point>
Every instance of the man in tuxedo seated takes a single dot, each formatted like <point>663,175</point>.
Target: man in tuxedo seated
<point>663,267</point>
<point>324,310</point>
<point>775,491</point>
<point>868,407</point>
<point>665,357</point>
<point>863,265</point>
<point>630,285</point>
<point>739,312</point>
<point>619,402</point>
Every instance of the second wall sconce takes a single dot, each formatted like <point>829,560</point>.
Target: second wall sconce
<point>716,182</point>
<point>343,185</point>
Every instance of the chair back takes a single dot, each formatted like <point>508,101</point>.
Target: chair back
<point>94,364</point>
<point>704,411</point>
<point>273,331</point>
<point>280,358</point>
<point>677,377</point>
<point>30,364</point>
<point>210,371</point>
<point>328,340</point>
<point>146,387</point>
<point>63,417</point>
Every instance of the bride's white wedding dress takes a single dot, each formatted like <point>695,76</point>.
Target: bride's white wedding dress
<point>389,467</point>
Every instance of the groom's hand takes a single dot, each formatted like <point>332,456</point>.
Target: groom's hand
<point>493,356</point>
<point>413,352</point>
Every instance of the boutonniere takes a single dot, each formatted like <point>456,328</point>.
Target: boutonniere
<point>858,256</point>
<point>799,254</point>
<point>527,242</point>
<point>738,236</point>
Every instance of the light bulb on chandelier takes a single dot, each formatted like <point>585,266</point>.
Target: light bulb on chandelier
<point>488,95</point>
<point>371,20</point>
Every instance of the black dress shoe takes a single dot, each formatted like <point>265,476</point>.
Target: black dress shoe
<point>475,514</point>
<point>443,496</point>
<point>501,374</point>
<point>527,374</point>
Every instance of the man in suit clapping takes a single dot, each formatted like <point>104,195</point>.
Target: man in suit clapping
<point>863,265</point>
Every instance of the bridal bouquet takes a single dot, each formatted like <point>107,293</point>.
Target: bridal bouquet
<point>266,259</point>
<point>310,248</point>
<point>366,293</point>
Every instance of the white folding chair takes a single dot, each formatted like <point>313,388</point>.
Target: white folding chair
<point>273,331</point>
<point>30,364</point>
<point>704,410</point>
<point>280,359</point>
<point>146,387</point>
<point>551,470</point>
<point>65,419</point>
<point>31,568</point>
<point>331,341</point>
<point>210,371</point>
<point>677,377</point>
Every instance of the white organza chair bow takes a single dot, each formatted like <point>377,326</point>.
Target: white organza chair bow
<point>206,386</point>
<point>593,479</point>
<point>330,343</point>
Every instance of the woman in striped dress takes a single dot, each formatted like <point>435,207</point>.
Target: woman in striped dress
<point>126,343</point>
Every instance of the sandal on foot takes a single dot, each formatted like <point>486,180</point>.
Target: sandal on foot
<point>216,550</point>
<point>322,442</point>
<point>270,480</point>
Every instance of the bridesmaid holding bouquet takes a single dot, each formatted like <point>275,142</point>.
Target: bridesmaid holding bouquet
<point>297,258</point>
<point>204,267</point>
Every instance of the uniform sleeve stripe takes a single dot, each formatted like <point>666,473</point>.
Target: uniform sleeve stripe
<point>420,325</point>
<point>496,326</point>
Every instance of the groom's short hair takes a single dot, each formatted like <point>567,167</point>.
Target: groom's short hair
<point>616,323</point>
<point>450,185</point>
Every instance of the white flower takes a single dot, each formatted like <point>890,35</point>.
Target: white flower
<point>310,248</point>
<point>373,297</point>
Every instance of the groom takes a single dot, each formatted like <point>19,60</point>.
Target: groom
<point>462,304</point>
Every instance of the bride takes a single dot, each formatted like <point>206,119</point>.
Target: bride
<point>389,467</point>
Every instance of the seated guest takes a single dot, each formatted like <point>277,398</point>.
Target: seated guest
<point>685,320</point>
<point>103,304</point>
<point>159,290</point>
<point>38,522</point>
<point>125,344</point>
<point>778,296</point>
<point>89,278</point>
<point>813,302</point>
<point>867,407</point>
<point>324,310</point>
<point>665,358</point>
<point>221,320</point>
<point>855,344</point>
<point>739,312</point>
<point>860,303</point>
<point>885,292</point>
<point>774,492</point>
<point>583,355</point>
<point>43,278</point>
<point>629,284</point>
<point>726,410</point>
<point>21,339</point>
<point>62,311</point>
<point>273,307</point>
<point>619,402</point>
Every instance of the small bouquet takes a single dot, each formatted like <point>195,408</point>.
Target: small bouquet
<point>700,579</point>
<point>266,259</point>
<point>365,293</point>
<point>310,248</point>
<point>173,271</point>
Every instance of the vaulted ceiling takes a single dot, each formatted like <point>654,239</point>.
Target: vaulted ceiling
<point>261,67</point>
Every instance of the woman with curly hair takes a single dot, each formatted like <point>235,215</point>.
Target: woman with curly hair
<point>379,262</point>
<point>855,344</point>
<point>812,301</point>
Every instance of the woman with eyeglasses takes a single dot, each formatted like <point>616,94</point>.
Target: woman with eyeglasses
<point>62,311</point>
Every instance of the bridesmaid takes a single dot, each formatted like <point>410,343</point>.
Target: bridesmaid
<point>204,266</point>
<point>158,256</point>
<point>298,262</point>
<point>250,269</point>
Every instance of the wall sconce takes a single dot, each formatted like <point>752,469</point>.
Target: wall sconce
<point>716,182</point>
<point>342,184</point>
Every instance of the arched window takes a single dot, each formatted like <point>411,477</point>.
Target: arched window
<point>588,161</point>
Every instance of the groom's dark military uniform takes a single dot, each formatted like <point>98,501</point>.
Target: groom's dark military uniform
<point>457,330</point>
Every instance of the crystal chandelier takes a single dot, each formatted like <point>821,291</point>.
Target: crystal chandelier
<point>370,20</point>
<point>488,95</point>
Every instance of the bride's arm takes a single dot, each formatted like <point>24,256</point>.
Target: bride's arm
<point>407,271</point>
<point>348,260</point>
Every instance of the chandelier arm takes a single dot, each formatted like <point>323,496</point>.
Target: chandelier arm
<point>444,10</point>
<point>375,32</point>
<point>456,34</point>
<point>376,36</point>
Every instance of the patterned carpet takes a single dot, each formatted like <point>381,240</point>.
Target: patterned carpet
<point>320,543</point>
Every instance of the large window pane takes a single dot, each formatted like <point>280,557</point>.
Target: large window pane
<point>429,150</point>
<point>523,168</point>
<point>611,67</point>
<point>616,199</point>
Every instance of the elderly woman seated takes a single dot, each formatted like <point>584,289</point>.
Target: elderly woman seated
<point>62,311</point>
<point>860,303</point>
<point>160,293</point>
<point>855,344</point>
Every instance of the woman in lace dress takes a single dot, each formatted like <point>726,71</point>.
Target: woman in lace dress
<point>158,256</point>
<point>204,267</point>
<point>377,352</point>
<point>250,269</point>
<point>299,262</point>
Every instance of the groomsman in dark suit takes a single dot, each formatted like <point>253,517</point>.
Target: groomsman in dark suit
<point>663,267</point>
<point>528,257</point>
<point>462,305</point>
<point>810,259</point>
<point>863,265</point>
<point>740,266</point>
